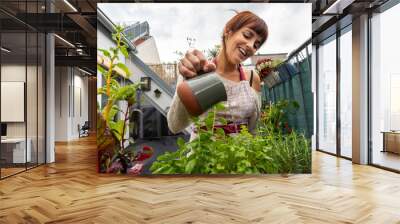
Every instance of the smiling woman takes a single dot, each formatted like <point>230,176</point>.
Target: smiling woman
<point>242,36</point>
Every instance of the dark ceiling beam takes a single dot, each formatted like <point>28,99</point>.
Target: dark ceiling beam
<point>49,22</point>
<point>9,15</point>
<point>89,30</point>
<point>91,5</point>
<point>82,61</point>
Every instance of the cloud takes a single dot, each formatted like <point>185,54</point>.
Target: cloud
<point>171,24</point>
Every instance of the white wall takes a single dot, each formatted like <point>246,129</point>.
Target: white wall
<point>33,126</point>
<point>61,105</point>
<point>71,94</point>
<point>148,52</point>
<point>79,117</point>
<point>12,73</point>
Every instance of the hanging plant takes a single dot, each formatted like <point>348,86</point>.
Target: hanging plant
<point>266,67</point>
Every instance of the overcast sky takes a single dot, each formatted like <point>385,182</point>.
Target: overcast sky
<point>170,24</point>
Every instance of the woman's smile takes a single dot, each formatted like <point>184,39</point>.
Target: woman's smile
<point>242,53</point>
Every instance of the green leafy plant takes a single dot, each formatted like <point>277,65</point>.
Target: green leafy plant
<point>277,114</point>
<point>213,152</point>
<point>116,152</point>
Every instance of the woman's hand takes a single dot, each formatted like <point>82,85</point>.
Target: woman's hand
<point>194,63</point>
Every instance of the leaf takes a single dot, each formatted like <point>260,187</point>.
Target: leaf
<point>114,37</point>
<point>114,110</point>
<point>101,69</point>
<point>159,170</point>
<point>181,143</point>
<point>219,106</point>
<point>105,52</point>
<point>222,121</point>
<point>190,166</point>
<point>220,166</point>
<point>124,68</point>
<point>124,51</point>
<point>117,129</point>
<point>209,120</point>
<point>100,91</point>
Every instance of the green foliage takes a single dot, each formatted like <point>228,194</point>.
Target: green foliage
<point>124,68</point>
<point>276,62</point>
<point>276,115</point>
<point>213,152</point>
<point>112,119</point>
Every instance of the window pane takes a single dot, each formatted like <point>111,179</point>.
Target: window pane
<point>385,88</point>
<point>327,96</point>
<point>346,94</point>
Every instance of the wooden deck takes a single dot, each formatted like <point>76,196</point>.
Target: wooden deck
<point>70,191</point>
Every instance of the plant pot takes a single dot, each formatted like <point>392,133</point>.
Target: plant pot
<point>202,92</point>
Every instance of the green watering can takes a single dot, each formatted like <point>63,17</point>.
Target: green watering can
<point>201,93</point>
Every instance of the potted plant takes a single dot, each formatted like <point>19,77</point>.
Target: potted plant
<point>116,153</point>
<point>214,152</point>
<point>264,67</point>
<point>267,70</point>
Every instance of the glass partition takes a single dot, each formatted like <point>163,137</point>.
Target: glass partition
<point>385,89</point>
<point>327,95</point>
<point>22,89</point>
<point>346,93</point>
<point>13,103</point>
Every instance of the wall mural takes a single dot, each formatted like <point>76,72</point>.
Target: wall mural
<point>237,134</point>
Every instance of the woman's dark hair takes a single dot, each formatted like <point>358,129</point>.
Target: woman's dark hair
<point>246,18</point>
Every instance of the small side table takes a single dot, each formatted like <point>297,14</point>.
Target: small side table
<point>391,141</point>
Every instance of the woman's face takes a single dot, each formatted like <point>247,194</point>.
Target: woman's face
<point>241,44</point>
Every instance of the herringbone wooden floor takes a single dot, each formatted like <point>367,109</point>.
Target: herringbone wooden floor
<point>70,191</point>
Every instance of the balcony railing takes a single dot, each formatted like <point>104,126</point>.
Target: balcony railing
<point>137,30</point>
<point>167,72</point>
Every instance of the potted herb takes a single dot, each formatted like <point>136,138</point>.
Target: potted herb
<point>213,152</point>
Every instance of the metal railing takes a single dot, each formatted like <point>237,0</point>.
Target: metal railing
<point>137,30</point>
<point>167,72</point>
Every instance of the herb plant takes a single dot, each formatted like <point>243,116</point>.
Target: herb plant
<point>213,152</point>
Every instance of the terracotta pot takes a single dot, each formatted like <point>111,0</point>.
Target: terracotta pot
<point>202,92</point>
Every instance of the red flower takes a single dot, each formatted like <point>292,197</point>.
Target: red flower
<point>147,148</point>
<point>142,156</point>
<point>146,153</point>
<point>136,169</point>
